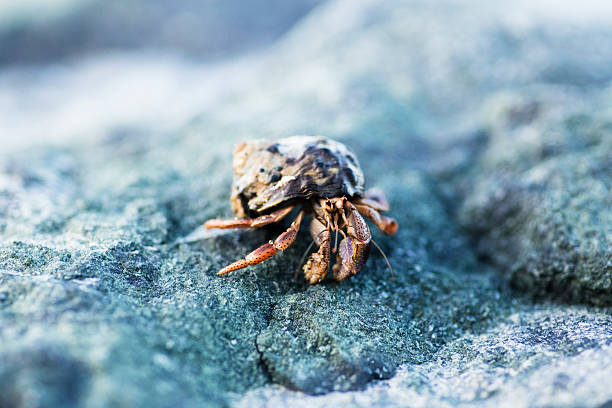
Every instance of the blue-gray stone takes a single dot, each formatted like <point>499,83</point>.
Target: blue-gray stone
<point>487,125</point>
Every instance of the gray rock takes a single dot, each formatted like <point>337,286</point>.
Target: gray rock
<point>482,128</point>
<point>541,357</point>
<point>539,202</point>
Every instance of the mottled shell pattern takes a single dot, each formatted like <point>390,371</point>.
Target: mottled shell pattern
<point>268,174</point>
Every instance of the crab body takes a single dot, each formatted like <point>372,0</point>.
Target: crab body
<point>323,178</point>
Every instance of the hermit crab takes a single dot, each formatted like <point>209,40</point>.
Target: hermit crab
<point>320,177</point>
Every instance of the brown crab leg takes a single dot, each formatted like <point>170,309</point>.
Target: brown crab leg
<point>268,250</point>
<point>355,247</point>
<point>386,224</point>
<point>375,199</point>
<point>276,216</point>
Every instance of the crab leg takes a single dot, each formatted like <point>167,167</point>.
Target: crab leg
<point>282,242</point>
<point>386,224</point>
<point>355,248</point>
<point>375,199</point>
<point>276,216</point>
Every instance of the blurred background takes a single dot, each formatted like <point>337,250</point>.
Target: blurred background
<point>71,68</point>
<point>42,31</point>
<point>77,68</point>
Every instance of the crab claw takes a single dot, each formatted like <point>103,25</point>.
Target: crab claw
<point>317,265</point>
<point>352,256</point>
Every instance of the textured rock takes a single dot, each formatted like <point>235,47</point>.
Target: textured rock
<point>486,126</point>
<point>540,204</point>
<point>319,340</point>
<point>542,357</point>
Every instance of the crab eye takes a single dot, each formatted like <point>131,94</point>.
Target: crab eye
<point>328,203</point>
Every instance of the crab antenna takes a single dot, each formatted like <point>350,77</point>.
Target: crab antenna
<point>384,256</point>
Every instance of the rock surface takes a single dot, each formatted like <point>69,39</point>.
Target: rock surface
<point>489,131</point>
<point>540,206</point>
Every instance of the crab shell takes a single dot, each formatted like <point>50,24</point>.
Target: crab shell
<point>269,174</point>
